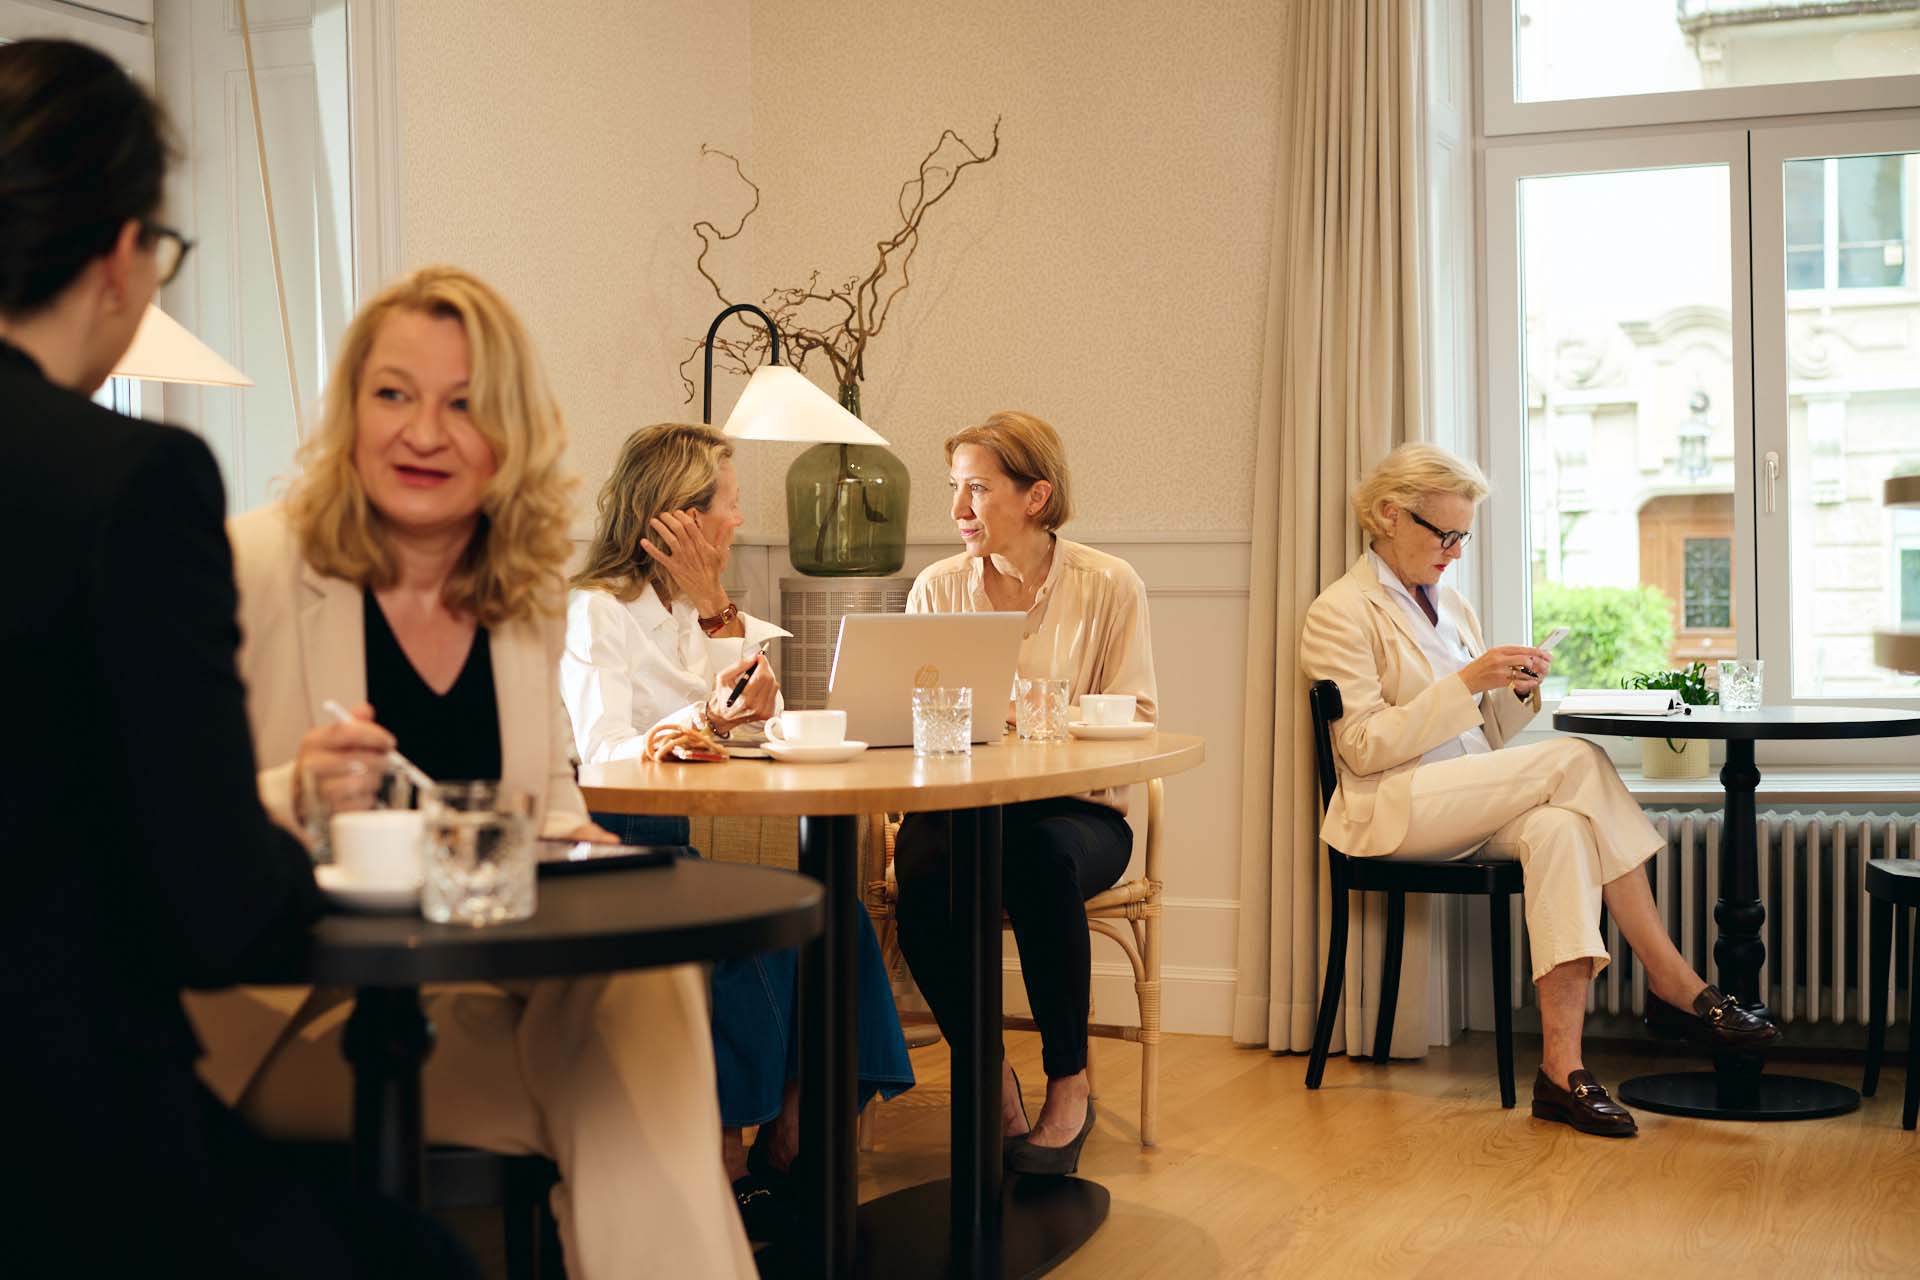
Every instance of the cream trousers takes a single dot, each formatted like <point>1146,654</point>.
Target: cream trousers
<point>610,1077</point>
<point>1560,809</point>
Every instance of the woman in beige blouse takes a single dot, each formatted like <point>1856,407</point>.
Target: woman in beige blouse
<point>1087,622</point>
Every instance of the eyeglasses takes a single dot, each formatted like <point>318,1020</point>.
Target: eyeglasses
<point>1449,538</point>
<point>169,249</point>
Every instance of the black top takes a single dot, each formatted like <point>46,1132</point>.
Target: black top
<point>595,922</point>
<point>451,735</point>
<point>1767,722</point>
<point>138,859</point>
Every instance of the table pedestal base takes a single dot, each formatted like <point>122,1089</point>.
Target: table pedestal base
<point>1734,1095</point>
<point>904,1236</point>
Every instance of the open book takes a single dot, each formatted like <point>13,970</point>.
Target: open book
<point>1622,702</point>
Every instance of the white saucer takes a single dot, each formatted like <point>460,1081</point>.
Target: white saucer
<point>813,752</point>
<point>343,892</point>
<point>1109,732</point>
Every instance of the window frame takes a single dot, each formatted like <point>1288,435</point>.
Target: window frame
<point>1503,113</point>
<point>1830,292</point>
<point>1773,145</point>
<point>1506,558</point>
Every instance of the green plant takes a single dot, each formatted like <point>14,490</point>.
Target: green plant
<point>1610,631</point>
<point>1690,682</point>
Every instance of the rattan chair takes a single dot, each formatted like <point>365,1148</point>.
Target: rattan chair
<point>1128,913</point>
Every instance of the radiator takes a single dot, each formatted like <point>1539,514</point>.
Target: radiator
<point>1811,883</point>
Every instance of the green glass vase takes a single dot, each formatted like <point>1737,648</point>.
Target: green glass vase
<point>847,507</point>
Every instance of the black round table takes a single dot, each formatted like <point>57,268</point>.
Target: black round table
<point>1737,1088</point>
<point>591,922</point>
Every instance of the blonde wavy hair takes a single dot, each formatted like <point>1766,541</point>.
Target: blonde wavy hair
<point>1029,451</point>
<point>514,567</point>
<point>669,466</point>
<point>1408,476</point>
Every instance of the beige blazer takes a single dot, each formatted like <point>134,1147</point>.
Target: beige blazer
<point>1395,711</point>
<point>301,643</point>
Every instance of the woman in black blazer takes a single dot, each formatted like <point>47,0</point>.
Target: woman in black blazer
<point>137,858</point>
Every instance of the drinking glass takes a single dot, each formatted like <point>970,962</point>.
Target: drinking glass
<point>352,788</point>
<point>1740,683</point>
<point>1040,709</point>
<point>943,722</point>
<point>480,863</point>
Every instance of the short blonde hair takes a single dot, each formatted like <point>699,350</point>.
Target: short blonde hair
<point>1410,474</point>
<point>1029,451</point>
<point>515,565</point>
<point>669,466</point>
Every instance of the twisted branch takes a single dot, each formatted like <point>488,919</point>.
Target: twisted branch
<point>861,304</point>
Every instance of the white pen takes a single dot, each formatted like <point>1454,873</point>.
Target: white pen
<point>415,774</point>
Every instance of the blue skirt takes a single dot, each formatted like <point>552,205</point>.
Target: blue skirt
<point>755,1042</point>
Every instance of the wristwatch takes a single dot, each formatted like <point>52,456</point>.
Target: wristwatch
<point>714,625</point>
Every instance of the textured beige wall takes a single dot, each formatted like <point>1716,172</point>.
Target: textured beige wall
<point>1108,271</point>
<point>554,149</point>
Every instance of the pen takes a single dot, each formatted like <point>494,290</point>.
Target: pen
<point>740,685</point>
<point>415,774</point>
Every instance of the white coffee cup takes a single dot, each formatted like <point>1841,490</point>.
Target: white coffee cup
<point>1106,708</point>
<point>809,728</point>
<point>379,848</point>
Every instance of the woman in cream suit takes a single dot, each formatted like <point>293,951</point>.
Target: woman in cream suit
<point>1425,772</point>
<point>417,566</point>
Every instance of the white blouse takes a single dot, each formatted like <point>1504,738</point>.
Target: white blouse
<point>628,667</point>
<point>1443,644</point>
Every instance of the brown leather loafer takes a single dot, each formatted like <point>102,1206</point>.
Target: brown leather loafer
<point>1583,1105</point>
<point>1717,1022</point>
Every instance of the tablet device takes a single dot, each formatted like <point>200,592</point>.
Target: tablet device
<point>568,857</point>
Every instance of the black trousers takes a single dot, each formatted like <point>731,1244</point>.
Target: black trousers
<point>1057,854</point>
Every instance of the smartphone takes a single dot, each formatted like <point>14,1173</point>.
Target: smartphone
<point>1555,637</point>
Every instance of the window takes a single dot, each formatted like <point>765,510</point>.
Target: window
<point>1605,48</point>
<point>1847,223</point>
<point>1702,339</point>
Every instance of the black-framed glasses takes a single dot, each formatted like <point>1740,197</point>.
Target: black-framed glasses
<point>169,249</point>
<point>1449,538</point>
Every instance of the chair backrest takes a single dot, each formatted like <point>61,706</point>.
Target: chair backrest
<point>1324,699</point>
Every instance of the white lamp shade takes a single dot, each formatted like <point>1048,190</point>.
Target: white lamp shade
<point>163,351</point>
<point>779,403</point>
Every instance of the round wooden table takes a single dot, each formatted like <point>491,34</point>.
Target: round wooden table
<point>1737,1088</point>
<point>588,922</point>
<point>973,1223</point>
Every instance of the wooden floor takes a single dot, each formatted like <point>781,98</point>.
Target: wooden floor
<point>1413,1169</point>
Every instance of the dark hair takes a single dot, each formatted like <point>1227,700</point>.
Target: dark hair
<point>83,150</point>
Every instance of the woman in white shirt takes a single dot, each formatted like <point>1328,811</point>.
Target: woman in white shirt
<point>1426,772</point>
<point>651,639</point>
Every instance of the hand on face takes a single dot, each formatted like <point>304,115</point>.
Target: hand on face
<point>423,462</point>
<point>694,554</point>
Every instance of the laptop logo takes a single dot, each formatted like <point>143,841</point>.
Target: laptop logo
<point>927,677</point>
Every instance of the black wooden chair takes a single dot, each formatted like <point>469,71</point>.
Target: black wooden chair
<point>466,1178</point>
<point>1498,880</point>
<point>1891,883</point>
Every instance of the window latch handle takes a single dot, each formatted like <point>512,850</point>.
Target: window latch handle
<point>1773,479</point>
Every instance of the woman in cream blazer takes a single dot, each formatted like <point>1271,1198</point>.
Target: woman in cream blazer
<point>438,408</point>
<point>1426,772</point>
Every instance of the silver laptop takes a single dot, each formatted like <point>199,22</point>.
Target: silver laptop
<point>882,657</point>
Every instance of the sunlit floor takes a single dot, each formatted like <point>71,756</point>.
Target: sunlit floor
<point>1414,1169</point>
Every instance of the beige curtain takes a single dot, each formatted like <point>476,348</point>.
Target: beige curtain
<point>1341,387</point>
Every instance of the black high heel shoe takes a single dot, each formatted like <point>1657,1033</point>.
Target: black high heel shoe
<point>1056,1162</point>
<point>1011,1143</point>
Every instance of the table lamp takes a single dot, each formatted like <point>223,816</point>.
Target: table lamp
<point>846,496</point>
<point>163,351</point>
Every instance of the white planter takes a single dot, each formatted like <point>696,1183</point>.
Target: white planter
<point>1659,760</point>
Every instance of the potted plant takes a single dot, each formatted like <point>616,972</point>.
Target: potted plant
<point>1675,757</point>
